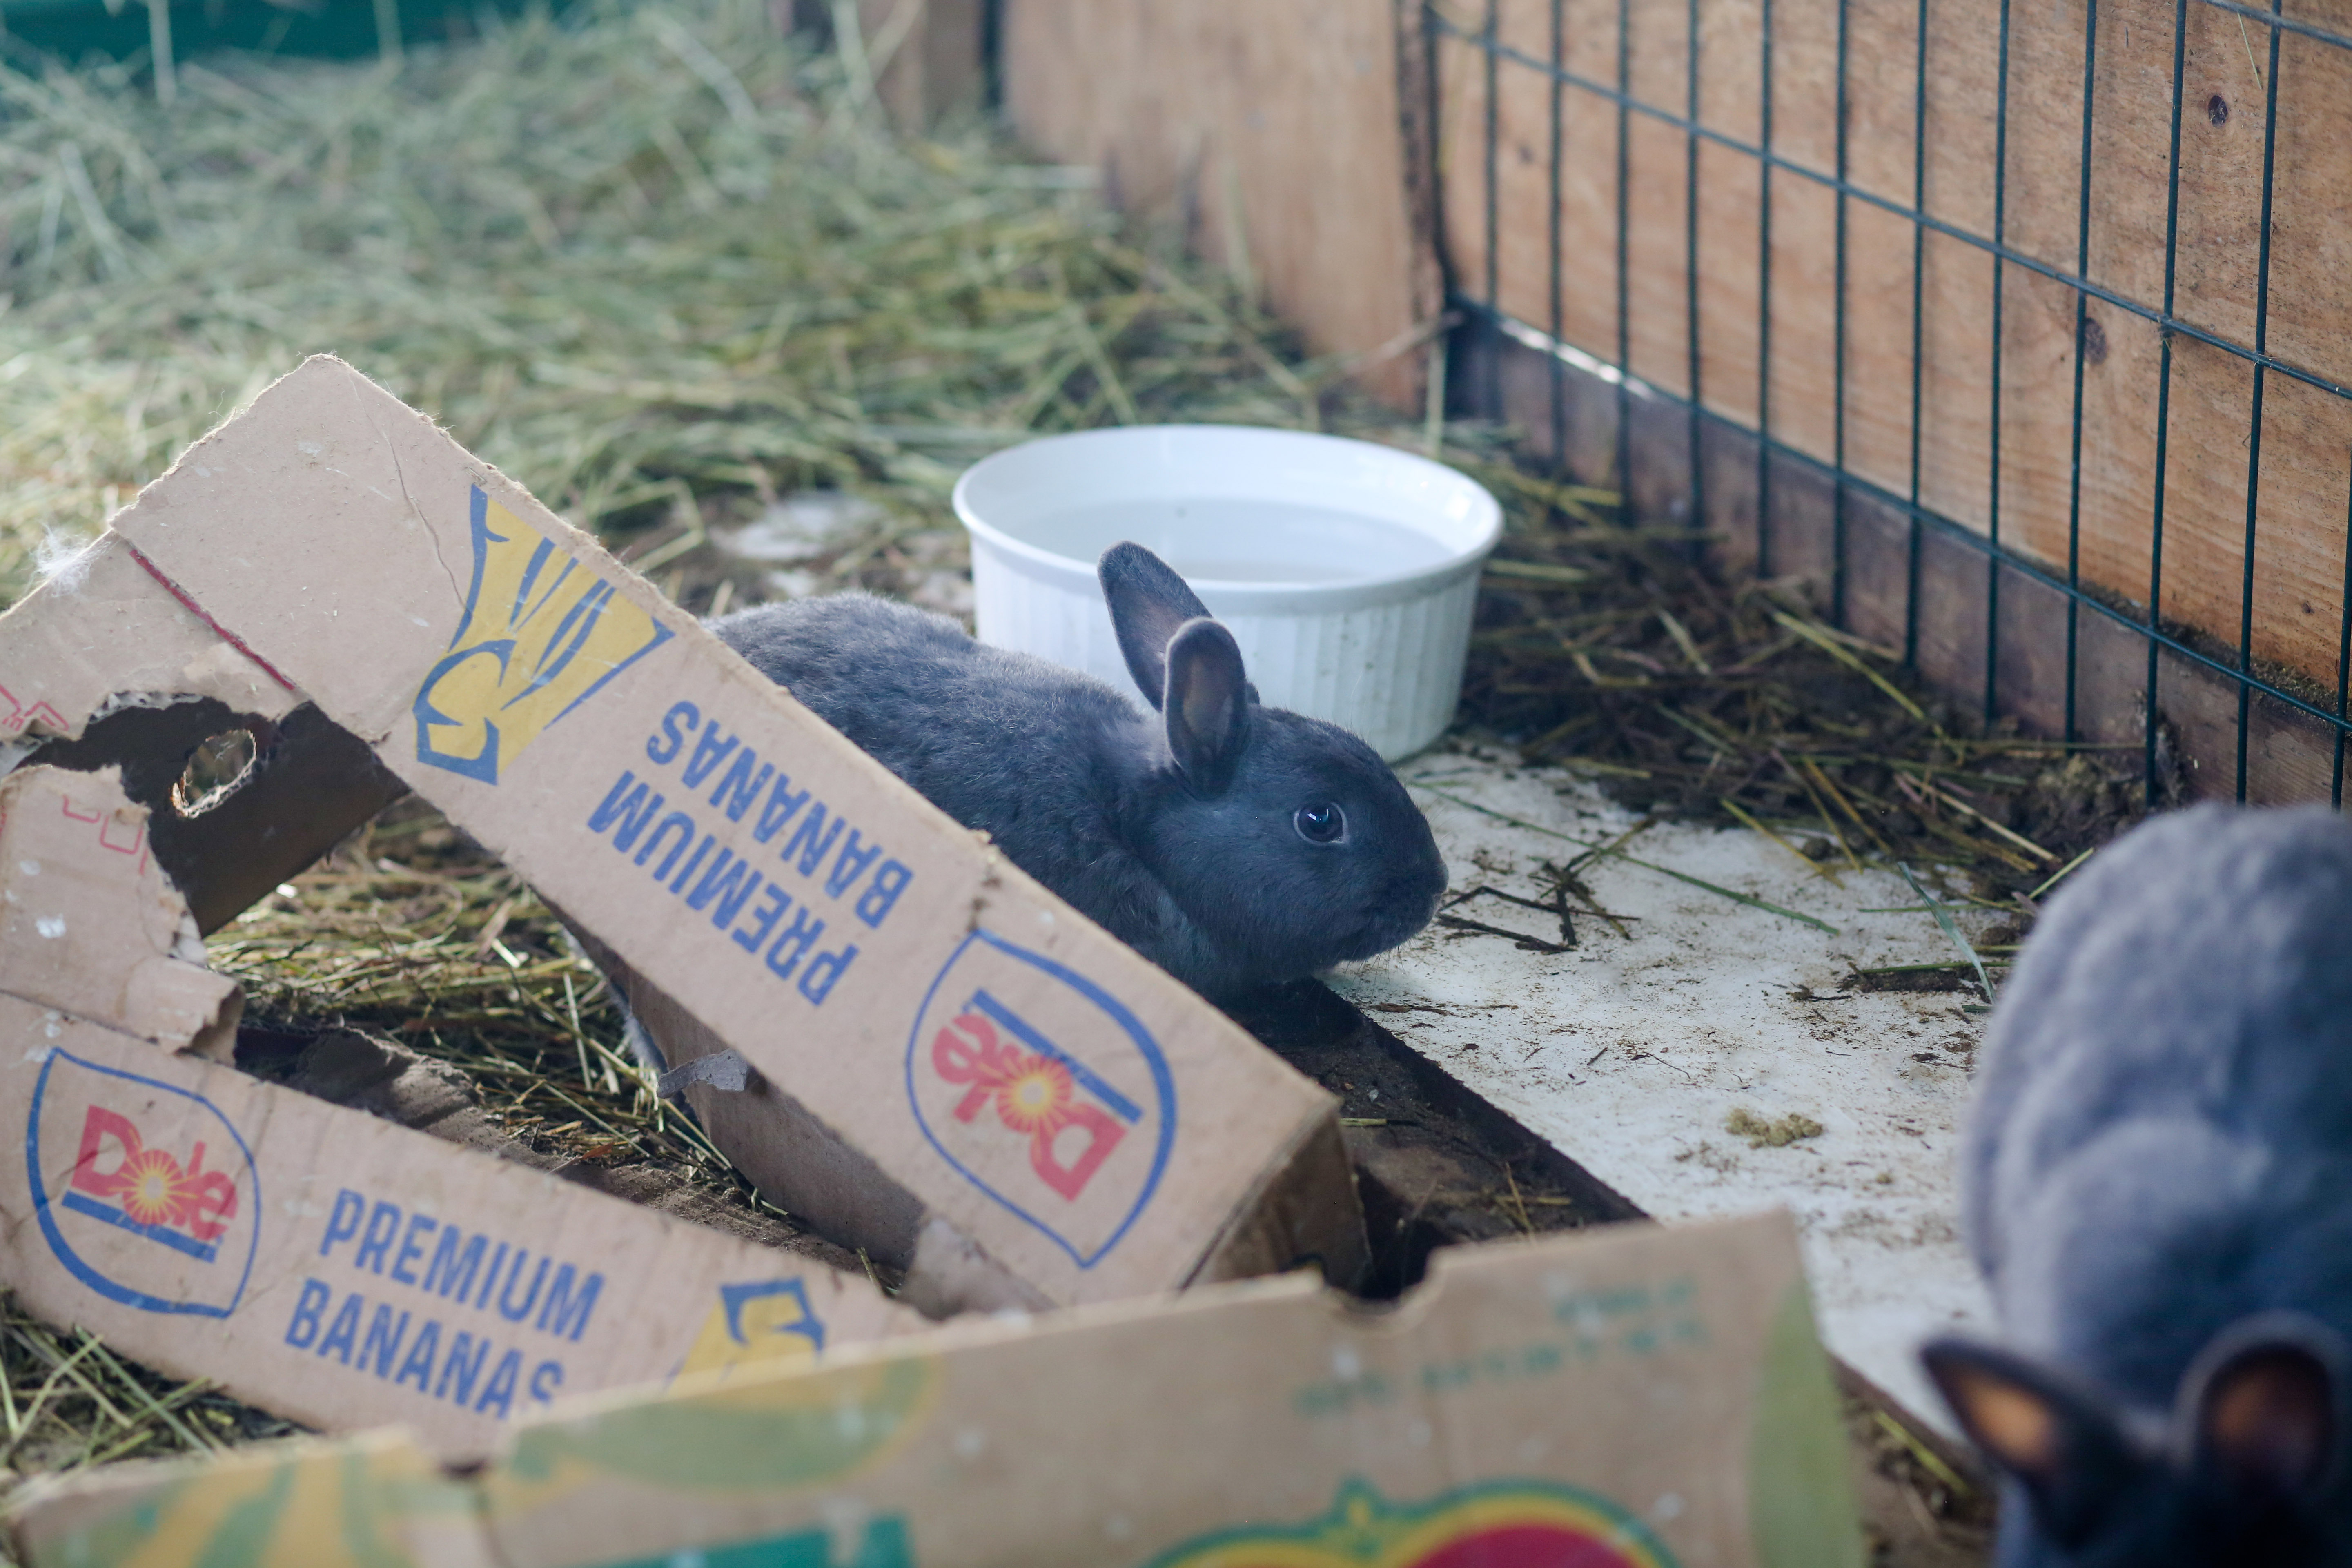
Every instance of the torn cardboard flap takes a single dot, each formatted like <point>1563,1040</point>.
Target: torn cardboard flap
<point>106,665</point>
<point>124,643</point>
<point>340,1270</point>
<point>345,1272</point>
<point>866,956</point>
<point>89,924</point>
<point>1631,1398</point>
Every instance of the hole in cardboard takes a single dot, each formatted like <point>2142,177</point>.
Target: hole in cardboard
<point>310,783</point>
<point>219,766</point>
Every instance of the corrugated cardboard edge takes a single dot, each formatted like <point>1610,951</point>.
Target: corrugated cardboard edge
<point>1311,1192</point>
<point>148,649</point>
<point>1792,1442</point>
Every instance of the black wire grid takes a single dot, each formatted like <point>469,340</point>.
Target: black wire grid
<point>2146,622</point>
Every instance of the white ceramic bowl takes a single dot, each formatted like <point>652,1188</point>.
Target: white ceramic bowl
<point>1346,571</point>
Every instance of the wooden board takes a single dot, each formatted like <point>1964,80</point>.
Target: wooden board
<point>2306,481</point>
<point>1277,132</point>
<point>1890,567</point>
<point>932,56</point>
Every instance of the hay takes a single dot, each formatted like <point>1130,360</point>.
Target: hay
<point>658,265</point>
<point>1615,652</point>
<point>408,929</point>
<point>66,1401</point>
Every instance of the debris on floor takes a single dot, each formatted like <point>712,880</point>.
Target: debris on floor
<point>1700,1046</point>
<point>1694,702</point>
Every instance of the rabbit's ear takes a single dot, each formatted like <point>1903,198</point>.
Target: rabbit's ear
<point>1207,709</point>
<point>1147,603</point>
<point>2263,1409</point>
<point>2059,1441</point>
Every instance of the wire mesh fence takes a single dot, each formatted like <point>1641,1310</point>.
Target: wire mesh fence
<point>2017,329</point>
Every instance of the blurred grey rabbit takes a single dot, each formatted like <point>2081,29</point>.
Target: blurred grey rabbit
<point>2157,1187</point>
<point>1234,844</point>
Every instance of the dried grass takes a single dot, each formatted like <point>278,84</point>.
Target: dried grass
<point>410,929</point>
<point>1615,652</point>
<point>657,264</point>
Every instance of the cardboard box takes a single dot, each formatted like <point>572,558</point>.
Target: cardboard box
<point>392,611</point>
<point>337,1269</point>
<point>1631,1398</point>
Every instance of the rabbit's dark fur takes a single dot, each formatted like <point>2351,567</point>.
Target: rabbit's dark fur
<point>1176,832</point>
<point>2157,1187</point>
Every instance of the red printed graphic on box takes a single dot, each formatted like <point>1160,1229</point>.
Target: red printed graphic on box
<point>148,1190</point>
<point>1051,1099</point>
<point>123,834</point>
<point>16,714</point>
<point>144,1191</point>
<point>1031,1094</point>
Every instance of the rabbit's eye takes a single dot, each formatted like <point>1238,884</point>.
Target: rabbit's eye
<point>1320,823</point>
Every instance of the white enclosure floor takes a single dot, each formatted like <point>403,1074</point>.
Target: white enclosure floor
<point>1628,1053</point>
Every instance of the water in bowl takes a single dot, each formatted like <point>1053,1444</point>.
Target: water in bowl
<point>1214,540</point>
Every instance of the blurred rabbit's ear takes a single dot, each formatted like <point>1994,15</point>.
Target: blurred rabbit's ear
<point>2261,1411</point>
<point>2058,1440</point>
<point>1148,604</point>
<point>1208,707</point>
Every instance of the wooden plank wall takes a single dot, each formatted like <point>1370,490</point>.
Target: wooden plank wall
<point>1278,131</point>
<point>2305,460</point>
<point>934,56</point>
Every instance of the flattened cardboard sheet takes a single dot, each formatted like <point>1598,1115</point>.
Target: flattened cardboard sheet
<point>1631,1398</point>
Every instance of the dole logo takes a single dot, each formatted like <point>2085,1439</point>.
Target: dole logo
<point>541,634</point>
<point>1035,1094</point>
<point>144,1191</point>
<point>148,1191</point>
<point>1041,1089</point>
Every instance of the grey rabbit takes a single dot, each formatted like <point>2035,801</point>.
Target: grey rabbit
<point>2157,1184</point>
<point>1234,844</point>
